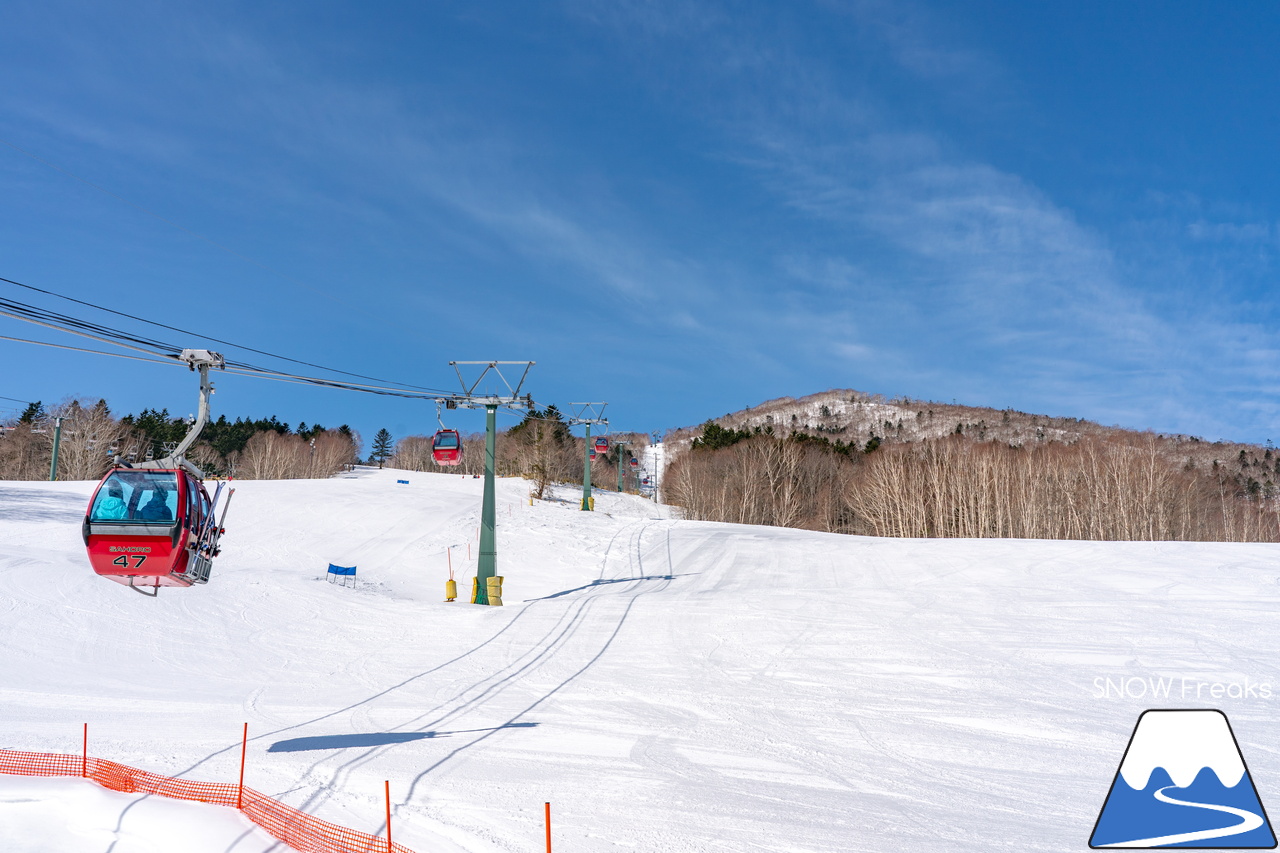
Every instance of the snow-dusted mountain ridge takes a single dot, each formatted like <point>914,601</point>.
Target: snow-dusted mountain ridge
<point>855,417</point>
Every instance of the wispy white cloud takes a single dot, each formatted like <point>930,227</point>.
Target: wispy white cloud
<point>914,38</point>
<point>601,257</point>
<point>384,158</point>
<point>853,352</point>
<point>998,264</point>
<point>952,271</point>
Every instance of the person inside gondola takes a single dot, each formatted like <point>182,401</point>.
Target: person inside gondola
<point>157,508</point>
<point>113,507</point>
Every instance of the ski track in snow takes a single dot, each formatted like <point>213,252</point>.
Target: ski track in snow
<point>667,685</point>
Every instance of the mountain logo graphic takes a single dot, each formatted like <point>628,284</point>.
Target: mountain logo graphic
<point>1183,783</point>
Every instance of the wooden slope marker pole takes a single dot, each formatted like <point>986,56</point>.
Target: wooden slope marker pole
<point>244,746</point>
<point>387,785</point>
<point>84,758</point>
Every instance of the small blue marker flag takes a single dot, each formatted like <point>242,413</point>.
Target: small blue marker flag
<point>403,482</point>
<point>341,570</point>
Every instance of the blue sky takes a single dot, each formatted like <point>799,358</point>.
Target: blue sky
<point>679,208</point>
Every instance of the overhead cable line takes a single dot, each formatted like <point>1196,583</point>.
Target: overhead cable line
<point>303,380</point>
<point>265,373</point>
<point>207,337</point>
<point>63,323</point>
<point>328,383</point>
<point>165,353</point>
<point>82,349</point>
<point>66,320</point>
<point>108,335</point>
<point>50,320</point>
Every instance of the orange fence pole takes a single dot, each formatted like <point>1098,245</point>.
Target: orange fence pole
<point>244,745</point>
<point>387,784</point>
<point>84,759</point>
<point>548,827</point>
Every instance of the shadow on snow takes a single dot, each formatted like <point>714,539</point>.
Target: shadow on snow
<point>604,581</point>
<point>371,739</point>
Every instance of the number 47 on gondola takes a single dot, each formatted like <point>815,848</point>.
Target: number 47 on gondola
<point>152,523</point>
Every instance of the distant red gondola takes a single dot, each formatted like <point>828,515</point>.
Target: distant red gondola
<point>446,447</point>
<point>634,463</point>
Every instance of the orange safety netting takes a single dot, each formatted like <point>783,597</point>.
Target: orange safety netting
<point>300,831</point>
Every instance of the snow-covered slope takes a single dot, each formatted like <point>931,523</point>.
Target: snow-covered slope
<point>667,685</point>
<point>39,815</point>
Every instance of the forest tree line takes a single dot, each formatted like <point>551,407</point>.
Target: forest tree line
<point>1117,486</point>
<point>1123,486</point>
<point>92,437</point>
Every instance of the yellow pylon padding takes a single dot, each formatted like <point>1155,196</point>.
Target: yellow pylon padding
<point>493,586</point>
<point>450,589</point>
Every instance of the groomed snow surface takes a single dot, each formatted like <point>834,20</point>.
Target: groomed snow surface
<point>666,685</point>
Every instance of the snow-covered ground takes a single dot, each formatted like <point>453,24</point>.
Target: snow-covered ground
<point>666,685</point>
<point>39,815</point>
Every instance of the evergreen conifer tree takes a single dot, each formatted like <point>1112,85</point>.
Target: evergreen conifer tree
<point>31,414</point>
<point>381,446</point>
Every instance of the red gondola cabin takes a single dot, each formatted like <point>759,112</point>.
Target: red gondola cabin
<point>446,447</point>
<point>602,445</point>
<point>148,527</point>
<point>634,463</point>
